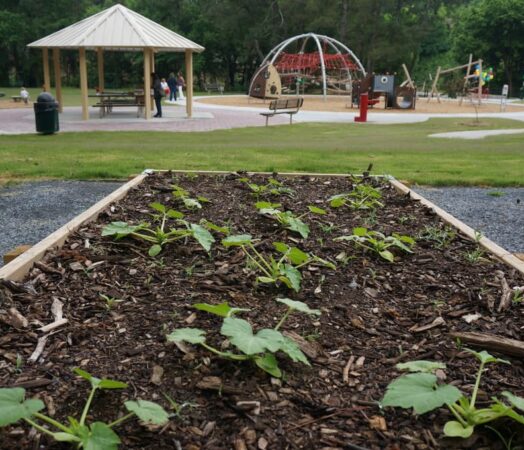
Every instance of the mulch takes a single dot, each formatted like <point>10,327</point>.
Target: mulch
<point>374,315</point>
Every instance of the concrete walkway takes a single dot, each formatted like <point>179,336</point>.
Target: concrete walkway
<point>477,134</point>
<point>206,117</point>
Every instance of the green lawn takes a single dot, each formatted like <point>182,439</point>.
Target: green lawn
<point>404,151</point>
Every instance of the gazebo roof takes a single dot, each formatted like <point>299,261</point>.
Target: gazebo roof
<point>118,28</point>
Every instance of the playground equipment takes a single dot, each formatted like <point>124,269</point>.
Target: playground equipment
<point>474,81</point>
<point>266,83</point>
<point>313,62</point>
<point>375,86</point>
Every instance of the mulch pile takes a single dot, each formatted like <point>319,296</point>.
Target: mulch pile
<point>375,314</point>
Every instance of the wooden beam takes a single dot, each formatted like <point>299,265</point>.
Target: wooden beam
<point>491,342</point>
<point>83,83</point>
<point>189,83</point>
<point>410,81</point>
<point>147,83</point>
<point>480,81</point>
<point>434,86</point>
<point>100,64</point>
<point>58,78</point>
<point>463,66</point>
<point>47,78</point>
<point>152,60</point>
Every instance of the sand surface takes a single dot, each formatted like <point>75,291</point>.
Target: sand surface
<point>341,104</point>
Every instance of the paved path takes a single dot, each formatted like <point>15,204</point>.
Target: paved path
<point>477,134</point>
<point>207,117</point>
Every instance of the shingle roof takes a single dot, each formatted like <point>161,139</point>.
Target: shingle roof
<point>117,28</point>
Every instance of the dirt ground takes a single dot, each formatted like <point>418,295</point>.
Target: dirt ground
<point>7,103</point>
<point>341,104</point>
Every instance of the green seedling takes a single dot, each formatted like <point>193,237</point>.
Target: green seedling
<point>362,196</point>
<point>259,347</point>
<point>421,391</point>
<point>476,255</point>
<point>179,407</point>
<point>378,243</point>
<point>159,237</point>
<point>440,237</point>
<point>110,301</point>
<point>518,295</point>
<point>272,187</point>
<point>285,269</point>
<point>182,196</point>
<point>94,436</point>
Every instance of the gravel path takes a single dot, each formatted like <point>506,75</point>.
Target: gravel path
<point>496,212</point>
<point>31,211</point>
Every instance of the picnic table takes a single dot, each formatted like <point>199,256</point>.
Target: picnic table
<point>109,100</point>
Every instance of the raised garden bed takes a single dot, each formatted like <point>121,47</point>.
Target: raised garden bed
<point>121,304</point>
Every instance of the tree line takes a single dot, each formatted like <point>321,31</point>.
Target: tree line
<point>237,34</point>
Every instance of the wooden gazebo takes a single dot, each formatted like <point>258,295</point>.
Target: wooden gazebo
<point>116,29</point>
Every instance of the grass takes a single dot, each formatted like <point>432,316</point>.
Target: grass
<point>402,150</point>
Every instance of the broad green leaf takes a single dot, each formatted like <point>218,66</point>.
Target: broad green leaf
<point>211,226</point>
<point>267,205</point>
<point>316,210</point>
<point>265,280</point>
<point>148,412</point>
<point>101,437</point>
<point>281,247</point>
<point>204,237</point>
<point>240,333</point>
<point>154,250</point>
<point>98,383</point>
<point>337,200</point>
<point>517,402</point>
<point>120,229</point>
<point>158,207</point>
<point>221,310</point>
<point>13,407</point>
<point>274,182</point>
<point>502,410</point>
<point>203,199</point>
<point>291,276</point>
<point>291,348</point>
<point>420,392</point>
<point>174,214</point>
<point>421,366</point>
<point>295,224</point>
<point>360,231</point>
<point>66,437</point>
<point>298,306</point>
<point>269,364</point>
<point>191,335</point>
<point>387,255</point>
<point>236,240</point>
<point>484,357</point>
<point>455,429</point>
<point>324,262</point>
<point>297,256</point>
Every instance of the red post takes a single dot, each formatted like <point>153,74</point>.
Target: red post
<point>363,117</point>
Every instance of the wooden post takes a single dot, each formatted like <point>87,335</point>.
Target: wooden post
<point>408,77</point>
<point>147,84</point>
<point>480,81</point>
<point>434,86</point>
<point>83,83</point>
<point>58,78</point>
<point>152,60</point>
<point>189,83</point>
<point>100,64</point>
<point>47,78</point>
<point>466,78</point>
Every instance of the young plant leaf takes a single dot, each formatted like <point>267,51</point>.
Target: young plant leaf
<point>154,250</point>
<point>204,237</point>
<point>148,412</point>
<point>456,429</point>
<point>297,256</point>
<point>100,437</point>
<point>191,335</point>
<point>191,203</point>
<point>291,348</point>
<point>291,276</point>
<point>281,247</point>
<point>517,402</point>
<point>240,333</point>
<point>269,364</point>
<point>237,240</point>
<point>66,437</point>
<point>421,366</point>
<point>13,407</point>
<point>420,392</point>
<point>120,229</point>
<point>298,306</point>
<point>484,357</point>
<point>221,310</point>
<point>172,214</point>
<point>360,231</point>
<point>158,207</point>
<point>316,210</point>
<point>98,383</point>
<point>387,255</point>
<point>295,224</point>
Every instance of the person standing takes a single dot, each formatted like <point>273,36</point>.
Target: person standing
<point>158,93</point>
<point>171,82</point>
<point>181,83</point>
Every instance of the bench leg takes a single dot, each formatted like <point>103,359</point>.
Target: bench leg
<point>267,119</point>
<point>291,119</point>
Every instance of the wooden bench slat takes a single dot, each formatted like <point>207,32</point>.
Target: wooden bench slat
<point>284,106</point>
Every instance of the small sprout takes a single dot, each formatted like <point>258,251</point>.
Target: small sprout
<point>441,237</point>
<point>285,218</point>
<point>362,196</point>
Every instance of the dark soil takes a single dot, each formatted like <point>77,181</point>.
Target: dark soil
<point>371,310</point>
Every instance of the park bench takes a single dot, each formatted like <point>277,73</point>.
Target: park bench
<point>214,87</point>
<point>2,94</point>
<point>284,106</point>
<point>16,98</point>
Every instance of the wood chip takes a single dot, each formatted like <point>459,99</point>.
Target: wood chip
<point>262,443</point>
<point>240,444</point>
<point>378,423</point>
<point>311,349</point>
<point>56,309</point>
<point>53,325</point>
<point>39,348</point>
<point>14,318</point>
<point>191,319</point>
<point>347,368</point>
<point>252,406</point>
<point>469,318</point>
<point>436,323</point>
<point>507,293</point>
<point>156,376</point>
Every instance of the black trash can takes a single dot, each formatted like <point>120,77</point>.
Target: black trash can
<point>46,114</point>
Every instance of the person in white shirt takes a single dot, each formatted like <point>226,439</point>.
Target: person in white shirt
<point>24,94</point>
